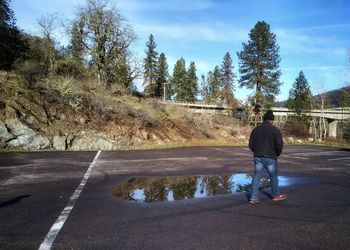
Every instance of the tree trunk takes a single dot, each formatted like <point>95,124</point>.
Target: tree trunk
<point>320,128</point>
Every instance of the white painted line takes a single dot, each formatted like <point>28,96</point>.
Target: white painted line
<point>231,152</point>
<point>321,153</point>
<point>290,162</point>
<point>56,227</point>
<point>339,159</point>
<point>165,159</point>
<point>295,157</point>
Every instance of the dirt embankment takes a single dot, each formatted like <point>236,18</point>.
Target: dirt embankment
<point>67,114</point>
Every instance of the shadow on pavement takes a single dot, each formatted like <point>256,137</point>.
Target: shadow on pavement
<point>13,201</point>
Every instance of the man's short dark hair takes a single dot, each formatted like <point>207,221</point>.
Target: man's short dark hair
<point>269,115</point>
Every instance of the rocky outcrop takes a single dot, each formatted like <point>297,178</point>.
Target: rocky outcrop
<point>15,134</point>
<point>85,141</point>
<point>5,135</point>
<point>40,116</point>
<point>59,142</point>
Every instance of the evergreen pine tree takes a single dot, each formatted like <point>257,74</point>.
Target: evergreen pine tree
<point>205,90</point>
<point>213,80</point>
<point>179,80</point>
<point>192,83</point>
<point>162,78</point>
<point>227,78</point>
<point>299,96</point>
<point>150,68</point>
<point>12,44</point>
<point>258,64</point>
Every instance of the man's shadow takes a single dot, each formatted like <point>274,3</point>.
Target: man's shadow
<point>13,200</point>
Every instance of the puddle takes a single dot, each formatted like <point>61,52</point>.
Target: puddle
<point>156,189</point>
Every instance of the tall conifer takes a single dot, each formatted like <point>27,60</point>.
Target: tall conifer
<point>258,64</point>
<point>227,77</point>
<point>162,78</point>
<point>300,95</point>
<point>213,80</point>
<point>179,79</point>
<point>192,83</point>
<point>150,68</point>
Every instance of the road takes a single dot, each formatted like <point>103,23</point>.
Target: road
<point>36,188</point>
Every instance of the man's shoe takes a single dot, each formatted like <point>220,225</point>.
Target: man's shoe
<point>279,197</point>
<point>254,201</point>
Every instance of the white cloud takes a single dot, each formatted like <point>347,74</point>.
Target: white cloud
<point>161,5</point>
<point>325,27</point>
<point>314,67</point>
<point>295,42</point>
<point>214,32</point>
<point>202,66</point>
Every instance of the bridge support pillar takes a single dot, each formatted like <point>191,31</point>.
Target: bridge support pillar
<point>333,128</point>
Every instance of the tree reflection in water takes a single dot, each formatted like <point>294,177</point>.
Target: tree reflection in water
<point>183,187</point>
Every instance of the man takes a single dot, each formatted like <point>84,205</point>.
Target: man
<point>266,143</point>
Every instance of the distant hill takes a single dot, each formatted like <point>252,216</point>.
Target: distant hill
<point>332,95</point>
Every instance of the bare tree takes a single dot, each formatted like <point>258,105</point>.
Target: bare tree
<point>106,36</point>
<point>47,25</point>
<point>313,117</point>
<point>322,105</point>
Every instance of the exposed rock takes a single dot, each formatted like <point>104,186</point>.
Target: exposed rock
<point>140,133</point>
<point>30,142</point>
<point>224,134</point>
<point>4,133</point>
<point>242,137</point>
<point>59,143</point>
<point>25,137</point>
<point>96,142</point>
<point>290,140</point>
<point>17,128</point>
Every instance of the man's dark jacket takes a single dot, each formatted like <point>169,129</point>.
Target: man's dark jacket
<point>266,141</point>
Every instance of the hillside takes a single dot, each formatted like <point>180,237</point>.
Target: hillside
<point>67,114</point>
<point>333,97</point>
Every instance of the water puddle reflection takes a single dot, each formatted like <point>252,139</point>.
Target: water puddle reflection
<point>155,189</point>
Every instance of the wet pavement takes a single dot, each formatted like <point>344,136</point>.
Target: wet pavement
<point>36,187</point>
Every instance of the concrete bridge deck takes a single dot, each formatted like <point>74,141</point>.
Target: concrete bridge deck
<point>332,114</point>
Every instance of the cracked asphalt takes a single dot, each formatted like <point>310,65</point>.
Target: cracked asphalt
<point>35,187</point>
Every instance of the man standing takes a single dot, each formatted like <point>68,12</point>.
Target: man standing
<point>266,143</point>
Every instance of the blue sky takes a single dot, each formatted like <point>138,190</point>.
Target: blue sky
<point>313,35</point>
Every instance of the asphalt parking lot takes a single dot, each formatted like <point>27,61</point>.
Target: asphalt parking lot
<point>64,200</point>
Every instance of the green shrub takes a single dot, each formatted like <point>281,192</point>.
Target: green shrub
<point>69,67</point>
<point>31,71</point>
<point>63,90</point>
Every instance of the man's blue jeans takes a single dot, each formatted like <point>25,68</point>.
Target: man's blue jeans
<point>272,167</point>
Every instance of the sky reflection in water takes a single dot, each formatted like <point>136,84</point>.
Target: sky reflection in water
<point>155,189</point>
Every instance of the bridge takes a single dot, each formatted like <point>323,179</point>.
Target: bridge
<point>332,116</point>
<point>340,114</point>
